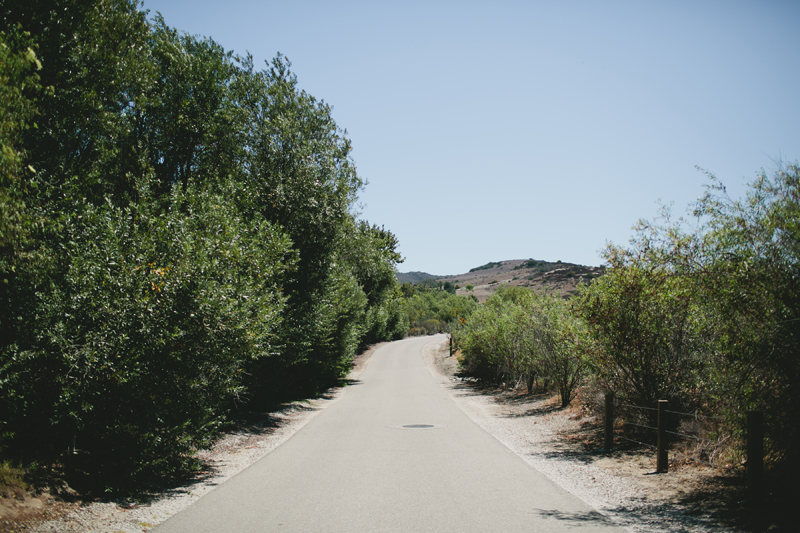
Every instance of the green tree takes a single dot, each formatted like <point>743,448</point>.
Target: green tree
<point>705,314</point>
<point>128,334</point>
<point>140,351</point>
<point>643,316</point>
<point>192,125</point>
<point>96,57</point>
<point>371,253</point>
<point>20,251</point>
<point>178,240</point>
<point>408,290</point>
<point>433,311</point>
<point>19,84</point>
<point>298,161</point>
<point>748,276</point>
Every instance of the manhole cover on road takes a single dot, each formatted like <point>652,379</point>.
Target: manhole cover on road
<point>417,426</point>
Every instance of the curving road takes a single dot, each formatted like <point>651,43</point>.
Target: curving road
<point>394,453</point>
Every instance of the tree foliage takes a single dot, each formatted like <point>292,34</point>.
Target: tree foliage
<point>19,85</point>
<point>705,313</point>
<point>178,241</point>
<point>430,309</point>
<point>644,317</point>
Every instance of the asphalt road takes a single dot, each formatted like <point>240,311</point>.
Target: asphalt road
<point>393,453</point>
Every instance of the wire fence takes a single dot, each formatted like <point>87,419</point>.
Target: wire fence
<point>672,426</point>
<point>708,447</point>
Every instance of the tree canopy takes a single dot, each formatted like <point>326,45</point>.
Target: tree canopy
<point>178,241</point>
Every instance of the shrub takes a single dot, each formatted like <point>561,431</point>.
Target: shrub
<point>12,481</point>
<point>643,318</point>
<point>704,314</point>
<point>487,266</point>
<point>531,263</point>
<point>139,351</point>
<point>442,307</point>
<point>520,336</point>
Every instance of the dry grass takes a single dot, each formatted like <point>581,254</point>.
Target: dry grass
<point>12,481</point>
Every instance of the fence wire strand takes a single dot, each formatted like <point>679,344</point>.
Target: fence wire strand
<point>690,436</point>
<point>636,406</point>
<point>636,441</point>
<point>678,434</point>
<point>640,426</point>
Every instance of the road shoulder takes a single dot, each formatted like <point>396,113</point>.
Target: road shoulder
<point>559,443</point>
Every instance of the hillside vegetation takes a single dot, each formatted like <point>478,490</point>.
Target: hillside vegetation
<point>553,277</point>
<point>177,243</point>
<point>414,277</point>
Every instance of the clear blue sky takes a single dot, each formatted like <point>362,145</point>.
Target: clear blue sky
<point>512,129</point>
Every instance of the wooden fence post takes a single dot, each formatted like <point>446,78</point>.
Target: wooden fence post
<point>451,345</point>
<point>755,456</point>
<point>662,462</point>
<point>608,443</point>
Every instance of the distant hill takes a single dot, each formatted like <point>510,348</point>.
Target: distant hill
<point>414,277</point>
<point>539,275</point>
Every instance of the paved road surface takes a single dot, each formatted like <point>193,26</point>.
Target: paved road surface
<point>357,467</point>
